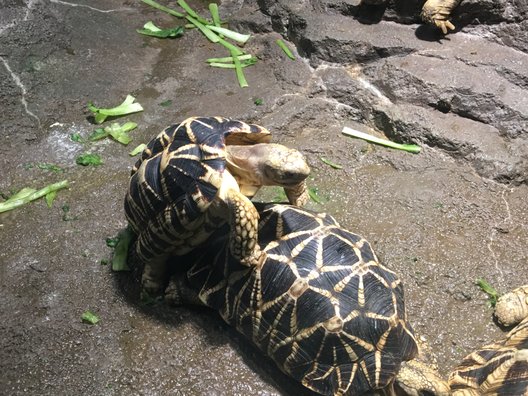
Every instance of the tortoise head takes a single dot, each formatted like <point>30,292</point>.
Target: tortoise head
<point>267,164</point>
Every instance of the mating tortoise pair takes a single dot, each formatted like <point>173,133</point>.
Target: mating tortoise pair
<point>435,12</point>
<point>316,300</point>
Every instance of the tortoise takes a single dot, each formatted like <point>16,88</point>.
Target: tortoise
<point>435,12</point>
<point>500,368</point>
<point>188,181</point>
<point>320,305</point>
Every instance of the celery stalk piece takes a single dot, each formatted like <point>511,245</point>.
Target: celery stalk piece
<point>230,34</point>
<point>158,6</point>
<point>229,65</point>
<point>191,12</point>
<point>213,9</point>
<point>239,72</point>
<point>228,59</point>
<point>212,36</point>
<point>90,318</point>
<point>27,195</point>
<point>411,148</point>
<point>286,50</point>
<point>127,107</point>
<point>235,51</point>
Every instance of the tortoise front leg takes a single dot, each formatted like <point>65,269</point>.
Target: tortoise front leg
<point>178,291</point>
<point>298,195</point>
<point>243,222</point>
<point>437,12</point>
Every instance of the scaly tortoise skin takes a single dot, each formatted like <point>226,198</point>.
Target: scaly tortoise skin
<point>321,305</point>
<point>500,368</point>
<point>181,189</point>
<point>435,12</point>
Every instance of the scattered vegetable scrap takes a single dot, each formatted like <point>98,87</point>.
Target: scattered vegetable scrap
<point>89,159</point>
<point>138,150</point>
<point>313,192</point>
<point>149,29</point>
<point>116,131</point>
<point>215,33</point>
<point>76,137</point>
<point>166,103</point>
<point>493,295</point>
<point>27,195</point>
<point>331,164</point>
<point>119,261</point>
<point>258,101</point>
<point>411,148</point>
<point>127,107</point>
<point>286,50</point>
<point>90,318</point>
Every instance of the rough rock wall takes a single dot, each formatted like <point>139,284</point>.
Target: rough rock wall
<point>464,93</point>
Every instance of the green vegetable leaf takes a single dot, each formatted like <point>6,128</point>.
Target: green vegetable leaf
<point>286,50</point>
<point>27,195</point>
<point>127,107</point>
<point>98,134</point>
<point>50,167</point>
<point>89,159</point>
<point>493,295</point>
<point>330,163</point>
<point>258,101</point>
<point>120,132</point>
<point>166,103</point>
<point>112,242</point>
<point>76,137</point>
<point>138,150</point>
<point>411,148</point>
<point>90,318</point>
<point>313,192</point>
<point>119,261</point>
<point>50,197</point>
<point>149,29</point>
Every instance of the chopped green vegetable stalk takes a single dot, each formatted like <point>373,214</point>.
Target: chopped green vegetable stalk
<point>212,36</point>
<point>27,195</point>
<point>120,132</point>
<point>76,137</point>
<point>239,72</point>
<point>411,148</point>
<point>149,29</point>
<point>230,34</point>
<point>90,318</point>
<point>230,65</point>
<point>258,101</point>
<point>138,150</point>
<point>128,106</point>
<point>230,59</point>
<point>330,163</point>
<point>232,48</point>
<point>89,159</point>
<point>286,50</point>
<point>158,6</point>
<point>119,261</point>
<point>213,9</point>
<point>493,295</point>
<point>191,12</point>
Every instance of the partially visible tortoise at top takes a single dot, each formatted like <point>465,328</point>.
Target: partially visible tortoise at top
<point>435,12</point>
<point>320,305</point>
<point>193,177</point>
<point>500,368</point>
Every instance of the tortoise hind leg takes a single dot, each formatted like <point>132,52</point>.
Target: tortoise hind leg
<point>178,292</point>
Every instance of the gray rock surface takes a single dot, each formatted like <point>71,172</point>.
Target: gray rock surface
<point>441,219</point>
